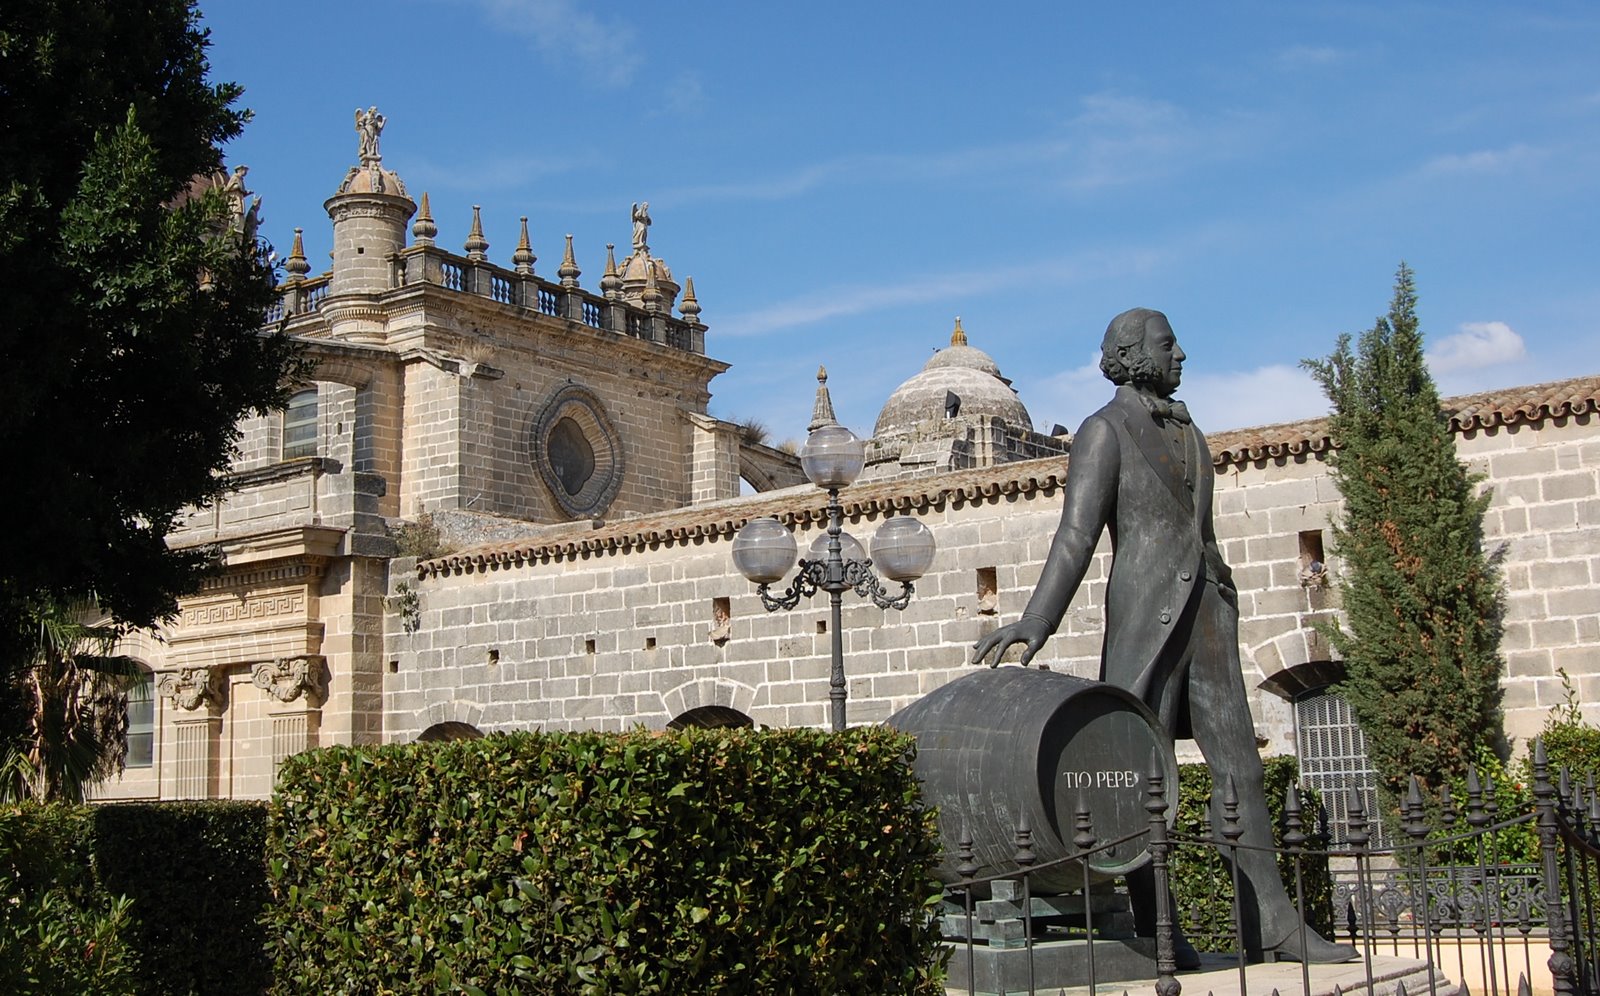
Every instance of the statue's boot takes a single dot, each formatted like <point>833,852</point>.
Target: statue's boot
<point>1142,897</point>
<point>1277,917</point>
<point>1314,948</point>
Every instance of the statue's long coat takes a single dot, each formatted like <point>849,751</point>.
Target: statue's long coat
<point>1122,475</point>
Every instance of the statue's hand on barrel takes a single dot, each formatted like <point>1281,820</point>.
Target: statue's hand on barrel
<point>1031,631</point>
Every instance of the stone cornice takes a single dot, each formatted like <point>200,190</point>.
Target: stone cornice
<point>294,555</point>
<point>284,470</point>
<point>804,505</point>
<point>797,506</point>
<point>298,572</point>
<point>1485,411</point>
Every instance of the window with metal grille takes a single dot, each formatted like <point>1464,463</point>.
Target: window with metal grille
<point>141,723</point>
<point>300,426</point>
<point>1333,760</point>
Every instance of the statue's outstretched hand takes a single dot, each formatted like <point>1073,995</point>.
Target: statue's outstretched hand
<point>1029,630</point>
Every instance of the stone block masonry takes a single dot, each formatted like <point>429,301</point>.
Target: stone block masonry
<point>993,527</point>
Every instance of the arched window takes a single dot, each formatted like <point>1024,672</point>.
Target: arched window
<point>1333,760</point>
<point>300,425</point>
<point>141,722</point>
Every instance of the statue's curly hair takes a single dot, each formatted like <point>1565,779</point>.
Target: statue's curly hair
<point>1123,358</point>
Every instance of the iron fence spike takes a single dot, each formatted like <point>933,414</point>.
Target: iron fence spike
<point>1523,988</point>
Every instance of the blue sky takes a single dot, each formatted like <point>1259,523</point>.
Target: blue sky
<point>842,180</point>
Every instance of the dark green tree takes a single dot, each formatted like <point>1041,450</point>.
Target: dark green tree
<point>1422,597</point>
<point>74,694</point>
<point>131,300</point>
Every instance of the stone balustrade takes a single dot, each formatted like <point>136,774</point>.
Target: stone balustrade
<point>424,264</point>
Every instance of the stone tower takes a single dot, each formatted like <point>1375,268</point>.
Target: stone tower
<point>369,213</point>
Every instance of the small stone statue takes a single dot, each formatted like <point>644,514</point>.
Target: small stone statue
<point>1141,469</point>
<point>233,188</point>
<point>369,125</point>
<point>641,227</point>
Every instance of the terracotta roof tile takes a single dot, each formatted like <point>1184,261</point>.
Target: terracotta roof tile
<point>805,504</point>
<point>1486,410</point>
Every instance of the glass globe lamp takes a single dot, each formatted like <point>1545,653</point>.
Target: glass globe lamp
<point>850,548</point>
<point>833,457</point>
<point>903,548</point>
<point>763,550</point>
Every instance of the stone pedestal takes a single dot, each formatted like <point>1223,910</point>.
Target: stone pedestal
<point>1064,928</point>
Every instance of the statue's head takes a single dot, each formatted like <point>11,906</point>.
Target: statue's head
<point>1125,357</point>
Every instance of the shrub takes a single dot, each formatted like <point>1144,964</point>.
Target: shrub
<point>60,931</point>
<point>1202,885</point>
<point>702,861</point>
<point>197,878</point>
<point>82,889</point>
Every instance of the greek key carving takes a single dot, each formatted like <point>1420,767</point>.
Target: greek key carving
<point>256,608</point>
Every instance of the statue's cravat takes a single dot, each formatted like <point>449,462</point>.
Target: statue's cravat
<point>1162,409</point>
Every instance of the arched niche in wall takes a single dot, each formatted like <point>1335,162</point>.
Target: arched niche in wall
<point>711,717</point>
<point>449,731</point>
<point>578,451</point>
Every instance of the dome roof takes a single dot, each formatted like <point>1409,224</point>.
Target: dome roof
<point>372,179</point>
<point>964,371</point>
<point>969,357</point>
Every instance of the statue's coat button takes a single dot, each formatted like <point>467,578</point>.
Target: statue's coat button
<point>1166,617</point>
<point>1184,575</point>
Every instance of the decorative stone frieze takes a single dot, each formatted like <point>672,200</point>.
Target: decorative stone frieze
<point>287,678</point>
<point>191,687</point>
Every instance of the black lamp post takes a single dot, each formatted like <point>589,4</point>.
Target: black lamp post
<point>903,549</point>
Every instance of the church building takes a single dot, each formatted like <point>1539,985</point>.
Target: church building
<point>500,503</point>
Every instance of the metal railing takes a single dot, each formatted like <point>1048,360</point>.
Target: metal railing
<point>1416,922</point>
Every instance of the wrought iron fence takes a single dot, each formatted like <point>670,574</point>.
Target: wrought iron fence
<point>1416,923</point>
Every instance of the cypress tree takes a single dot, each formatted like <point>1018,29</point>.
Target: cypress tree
<point>1422,598</point>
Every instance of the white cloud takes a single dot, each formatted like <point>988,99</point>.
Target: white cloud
<point>1309,56</point>
<point>1235,399</point>
<point>1477,345</point>
<point>836,302</point>
<point>1117,140</point>
<point>1068,397</point>
<point>1112,140</point>
<point>565,31</point>
<point>1483,161</point>
<point>1232,399</point>
<point>685,94</point>
<point>871,168</point>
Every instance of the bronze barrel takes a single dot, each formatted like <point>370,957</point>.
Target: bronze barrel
<point>1005,741</point>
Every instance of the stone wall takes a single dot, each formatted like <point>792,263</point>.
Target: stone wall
<point>572,633</point>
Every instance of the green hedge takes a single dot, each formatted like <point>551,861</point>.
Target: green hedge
<point>197,879</point>
<point>703,861</point>
<point>1202,884</point>
<point>151,899</point>
<point>61,932</point>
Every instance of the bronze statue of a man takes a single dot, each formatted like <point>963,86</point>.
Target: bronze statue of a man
<point>1140,468</point>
